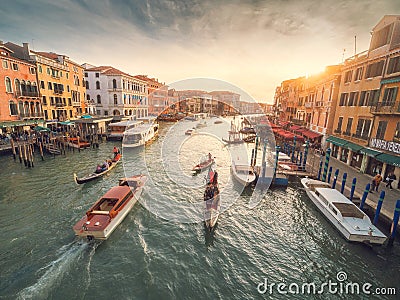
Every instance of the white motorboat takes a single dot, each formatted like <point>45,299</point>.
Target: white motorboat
<point>116,130</point>
<point>140,135</point>
<point>110,210</point>
<point>351,221</point>
<point>244,174</point>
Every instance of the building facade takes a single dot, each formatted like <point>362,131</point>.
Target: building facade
<point>116,93</point>
<point>157,95</point>
<point>19,95</point>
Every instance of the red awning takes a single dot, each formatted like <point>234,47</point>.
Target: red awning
<point>294,127</point>
<point>311,134</point>
<point>283,123</point>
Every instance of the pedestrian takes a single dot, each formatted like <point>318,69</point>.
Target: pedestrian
<point>375,182</point>
<point>391,177</point>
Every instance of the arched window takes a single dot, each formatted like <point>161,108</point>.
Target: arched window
<point>98,85</point>
<point>28,86</point>
<point>114,83</point>
<point>87,97</point>
<point>13,108</point>
<point>116,112</point>
<point>17,86</point>
<point>98,99</point>
<point>87,85</point>
<point>34,88</point>
<point>8,85</point>
<point>115,99</point>
<point>23,86</point>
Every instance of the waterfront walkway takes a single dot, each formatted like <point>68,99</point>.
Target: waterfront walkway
<point>391,196</point>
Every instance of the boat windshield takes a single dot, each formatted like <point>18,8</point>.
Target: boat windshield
<point>132,138</point>
<point>348,210</point>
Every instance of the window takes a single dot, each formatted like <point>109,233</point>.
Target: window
<point>363,98</point>
<point>5,64</point>
<point>114,84</point>
<point>15,67</point>
<point>48,71</point>
<point>40,69</point>
<point>67,75</point>
<point>68,89</point>
<point>97,85</point>
<point>32,71</point>
<point>98,99</point>
<point>13,108</point>
<point>349,124</point>
<point>106,112</point>
<point>88,97</point>
<point>17,85</point>
<point>348,76</point>
<point>397,132</point>
<point>49,85</point>
<point>343,99</point>
<point>353,98</point>
<point>87,85</point>
<point>8,85</point>
<point>339,126</point>
<point>374,97</point>
<point>115,99</point>
<point>97,75</point>
<point>374,69</point>
<point>380,133</point>
<point>389,97</point>
<point>42,84</point>
<point>363,127</point>
<point>44,101</point>
<point>394,65</point>
<point>359,73</point>
<point>86,74</point>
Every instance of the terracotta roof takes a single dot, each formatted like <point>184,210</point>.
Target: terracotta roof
<point>50,55</point>
<point>101,68</point>
<point>108,70</point>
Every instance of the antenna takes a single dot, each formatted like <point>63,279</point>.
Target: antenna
<point>344,50</point>
<point>355,45</point>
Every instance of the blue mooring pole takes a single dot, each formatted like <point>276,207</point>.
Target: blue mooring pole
<point>294,148</point>
<point>353,187</point>
<point>252,157</point>
<point>335,177</point>
<point>343,182</point>
<point>319,170</point>
<point>378,207</point>
<point>305,154</point>
<point>327,156</point>
<point>395,221</point>
<point>301,159</point>
<point>364,197</point>
<point>329,174</point>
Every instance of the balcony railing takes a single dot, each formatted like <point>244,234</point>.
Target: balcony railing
<point>30,115</point>
<point>359,136</point>
<point>58,92</point>
<point>386,108</point>
<point>33,94</point>
<point>60,104</point>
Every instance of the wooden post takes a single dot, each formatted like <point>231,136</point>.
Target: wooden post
<point>31,154</point>
<point>20,153</point>
<point>41,148</point>
<point>25,162</point>
<point>13,148</point>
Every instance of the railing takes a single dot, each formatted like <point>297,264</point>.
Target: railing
<point>34,94</point>
<point>30,115</point>
<point>386,108</point>
<point>58,92</point>
<point>359,136</point>
<point>60,104</point>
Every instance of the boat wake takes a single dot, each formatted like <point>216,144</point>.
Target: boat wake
<point>54,272</point>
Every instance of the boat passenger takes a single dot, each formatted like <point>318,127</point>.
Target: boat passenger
<point>115,151</point>
<point>215,178</point>
<point>209,156</point>
<point>98,169</point>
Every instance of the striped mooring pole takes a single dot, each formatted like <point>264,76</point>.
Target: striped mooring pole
<point>276,159</point>
<point>343,182</point>
<point>329,174</point>
<point>378,207</point>
<point>327,156</point>
<point>395,221</point>
<point>353,187</point>
<point>294,148</point>
<point>364,197</point>
<point>305,154</point>
<point>335,177</point>
<point>319,170</point>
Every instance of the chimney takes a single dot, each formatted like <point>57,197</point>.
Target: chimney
<point>25,51</point>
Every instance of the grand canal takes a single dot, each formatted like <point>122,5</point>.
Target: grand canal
<point>283,239</point>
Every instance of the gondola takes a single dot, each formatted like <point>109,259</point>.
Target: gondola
<point>233,141</point>
<point>205,163</point>
<point>95,175</point>
<point>212,202</point>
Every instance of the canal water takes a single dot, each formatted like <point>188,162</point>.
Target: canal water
<point>157,252</point>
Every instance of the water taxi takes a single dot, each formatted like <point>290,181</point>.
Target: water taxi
<point>110,210</point>
<point>244,174</point>
<point>140,135</point>
<point>116,130</point>
<point>347,218</point>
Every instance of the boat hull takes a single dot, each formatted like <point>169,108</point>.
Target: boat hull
<point>338,224</point>
<point>94,176</point>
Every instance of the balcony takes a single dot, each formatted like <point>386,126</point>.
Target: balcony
<point>31,94</point>
<point>386,108</point>
<point>24,116</point>
<point>60,104</point>
<point>308,104</point>
<point>360,137</point>
<point>347,133</point>
<point>58,92</point>
<point>338,131</point>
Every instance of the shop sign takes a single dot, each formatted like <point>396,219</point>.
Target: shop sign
<point>385,145</point>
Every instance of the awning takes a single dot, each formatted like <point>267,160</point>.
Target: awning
<point>390,80</point>
<point>389,159</point>
<point>294,127</point>
<point>370,152</point>
<point>311,134</point>
<point>283,123</point>
<point>40,128</point>
<point>337,141</point>
<point>353,147</point>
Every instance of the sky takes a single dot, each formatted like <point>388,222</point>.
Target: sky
<point>251,44</point>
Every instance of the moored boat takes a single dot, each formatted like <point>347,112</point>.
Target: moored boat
<point>140,135</point>
<point>78,143</point>
<point>190,131</point>
<point>343,214</point>
<point>212,201</point>
<point>109,211</point>
<point>100,172</point>
<point>244,174</point>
